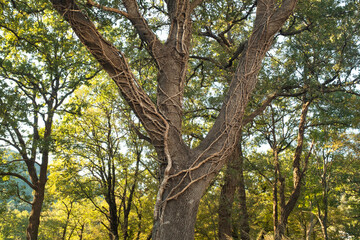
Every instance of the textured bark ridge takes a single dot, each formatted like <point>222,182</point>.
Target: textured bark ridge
<point>186,173</point>
<point>34,219</point>
<point>233,181</point>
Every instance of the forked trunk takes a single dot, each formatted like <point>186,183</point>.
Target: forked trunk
<point>280,231</point>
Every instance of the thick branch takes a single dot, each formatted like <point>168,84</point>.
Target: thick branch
<point>227,127</point>
<point>19,196</point>
<point>19,177</point>
<point>154,46</point>
<point>115,64</point>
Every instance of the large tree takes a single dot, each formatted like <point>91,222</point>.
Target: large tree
<point>185,173</point>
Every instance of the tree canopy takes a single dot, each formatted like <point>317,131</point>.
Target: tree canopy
<point>179,119</point>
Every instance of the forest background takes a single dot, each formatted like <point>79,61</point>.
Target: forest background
<point>81,161</point>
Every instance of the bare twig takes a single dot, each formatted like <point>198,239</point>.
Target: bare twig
<point>108,9</point>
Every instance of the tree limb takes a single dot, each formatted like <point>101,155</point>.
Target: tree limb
<point>154,46</point>
<point>289,32</point>
<point>19,177</point>
<point>108,9</point>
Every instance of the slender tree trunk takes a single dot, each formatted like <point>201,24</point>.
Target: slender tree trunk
<point>244,218</point>
<point>284,212</point>
<point>287,207</point>
<point>34,219</point>
<point>111,201</point>
<point>312,224</point>
<point>325,199</point>
<point>226,200</point>
<point>39,183</point>
<point>81,231</point>
<point>127,206</point>
<point>68,213</point>
<point>234,180</point>
<point>278,227</point>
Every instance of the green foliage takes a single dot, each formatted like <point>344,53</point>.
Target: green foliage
<point>95,146</point>
<point>42,69</point>
<point>12,224</point>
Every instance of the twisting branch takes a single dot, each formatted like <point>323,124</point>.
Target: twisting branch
<point>236,54</point>
<point>139,134</point>
<point>209,33</point>
<point>233,23</point>
<point>207,59</point>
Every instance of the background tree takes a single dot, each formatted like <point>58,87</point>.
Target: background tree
<point>38,72</point>
<point>103,157</point>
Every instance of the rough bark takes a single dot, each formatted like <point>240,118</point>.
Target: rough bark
<point>34,219</point>
<point>186,173</point>
<point>233,181</point>
<point>227,197</point>
<point>39,182</point>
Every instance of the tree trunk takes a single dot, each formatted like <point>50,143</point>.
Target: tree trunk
<point>311,226</point>
<point>34,219</point>
<point>234,180</point>
<point>287,207</point>
<point>244,220</point>
<point>226,200</point>
<point>324,183</point>
<point>68,213</point>
<point>178,218</point>
<point>114,223</point>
